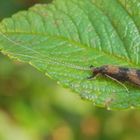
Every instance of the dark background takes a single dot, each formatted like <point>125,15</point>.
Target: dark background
<point>34,107</point>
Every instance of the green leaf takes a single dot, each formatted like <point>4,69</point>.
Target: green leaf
<point>64,38</point>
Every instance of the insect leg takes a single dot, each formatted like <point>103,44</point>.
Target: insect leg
<point>93,76</point>
<point>117,82</point>
<point>91,66</point>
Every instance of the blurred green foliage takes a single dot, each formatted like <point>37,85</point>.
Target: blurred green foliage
<point>34,107</point>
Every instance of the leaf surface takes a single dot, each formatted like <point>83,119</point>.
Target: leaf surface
<point>64,38</point>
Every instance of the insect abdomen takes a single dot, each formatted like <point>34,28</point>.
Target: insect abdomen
<point>134,76</point>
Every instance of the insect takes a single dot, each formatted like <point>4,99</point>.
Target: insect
<point>119,74</point>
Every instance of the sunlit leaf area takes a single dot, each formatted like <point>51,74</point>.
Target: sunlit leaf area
<point>36,107</point>
<point>64,38</point>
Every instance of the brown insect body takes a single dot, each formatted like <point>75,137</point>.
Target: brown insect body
<point>118,73</point>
